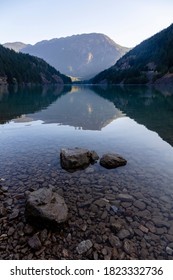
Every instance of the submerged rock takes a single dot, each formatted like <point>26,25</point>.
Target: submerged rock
<point>77,158</point>
<point>125,197</point>
<point>111,160</point>
<point>46,207</point>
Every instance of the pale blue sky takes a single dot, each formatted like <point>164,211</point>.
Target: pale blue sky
<point>127,22</point>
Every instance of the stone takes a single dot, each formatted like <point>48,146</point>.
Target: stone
<point>89,170</point>
<point>170,245</point>
<point>104,215</point>
<point>151,227</point>
<point>125,197</point>
<point>43,235</point>
<point>34,242</point>
<point>76,158</point>
<point>102,202</point>
<point>170,230</point>
<point>9,201</point>
<point>104,251</point>
<point>114,208</point>
<point>94,156</point>
<point>144,229</point>
<point>123,233</point>
<point>115,253</point>
<point>4,188</point>
<point>115,241</point>
<point>145,214</point>
<point>161,230</point>
<point>112,160</point>
<point>95,256</point>
<point>11,231</point>
<point>169,237</point>
<point>128,247</point>
<point>139,232</point>
<point>115,227</point>
<point>159,222</point>
<point>84,246</point>
<point>46,207</point>
<point>14,214</point>
<point>65,253</point>
<point>169,250</point>
<point>3,211</point>
<point>28,229</point>
<point>139,204</point>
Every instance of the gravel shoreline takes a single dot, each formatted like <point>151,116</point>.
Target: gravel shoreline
<point>111,216</point>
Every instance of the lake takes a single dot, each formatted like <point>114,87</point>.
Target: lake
<point>135,122</point>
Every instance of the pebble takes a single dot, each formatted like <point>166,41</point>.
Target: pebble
<point>128,247</point>
<point>65,253</point>
<point>43,235</point>
<point>115,217</point>
<point>14,214</point>
<point>169,250</point>
<point>11,231</point>
<point>3,210</point>
<point>101,202</point>
<point>4,188</point>
<point>115,241</point>
<point>116,226</point>
<point>114,208</point>
<point>123,233</point>
<point>34,242</point>
<point>139,204</point>
<point>160,222</point>
<point>28,229</point>
<point>84,246</point>
<point>143,229</point>
<point>125,197</point>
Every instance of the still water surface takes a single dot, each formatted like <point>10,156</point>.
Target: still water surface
<point>136,122</point>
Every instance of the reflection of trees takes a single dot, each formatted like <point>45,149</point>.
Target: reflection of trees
<point>16,101</point>
<point>81,108</point>
<point>150,106</point>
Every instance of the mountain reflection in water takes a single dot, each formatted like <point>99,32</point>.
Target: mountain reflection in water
<point>90,108</point>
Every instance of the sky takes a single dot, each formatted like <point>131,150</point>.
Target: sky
<point>127,22</point>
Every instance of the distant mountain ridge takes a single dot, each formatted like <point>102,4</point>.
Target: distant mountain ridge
<point>16,46</point>
<point>81,56</point>
<point>149,62</point>
<point>19,68</point>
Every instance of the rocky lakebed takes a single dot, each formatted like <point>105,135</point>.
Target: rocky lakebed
<point>85,209</point>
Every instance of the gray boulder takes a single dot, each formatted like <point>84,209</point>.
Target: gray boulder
<point>45,207</point>
<point>112,160</point>
<point>77,158</point>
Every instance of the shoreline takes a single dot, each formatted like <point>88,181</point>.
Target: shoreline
<point>120,223</point>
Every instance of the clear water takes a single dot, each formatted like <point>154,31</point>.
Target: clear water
<point>136,122</point>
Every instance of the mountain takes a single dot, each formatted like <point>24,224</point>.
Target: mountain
<point>149,62</point>
<point>81,56</point>
<point>18,68</point>
<point>16,46</point>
